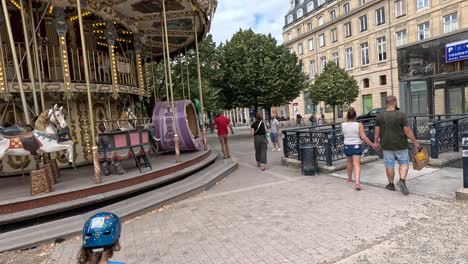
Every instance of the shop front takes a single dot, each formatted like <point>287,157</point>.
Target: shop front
<point>433,75</point>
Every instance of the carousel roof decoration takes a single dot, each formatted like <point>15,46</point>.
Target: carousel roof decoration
<point>144,17</point>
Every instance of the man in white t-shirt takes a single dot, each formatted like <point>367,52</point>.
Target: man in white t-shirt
<point>274,132</point>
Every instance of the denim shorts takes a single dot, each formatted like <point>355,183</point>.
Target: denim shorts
<point>274,137</point>
<point>353,150</point>
<point>390,156</point>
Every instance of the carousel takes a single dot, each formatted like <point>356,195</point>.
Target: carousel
<point>80,114</point>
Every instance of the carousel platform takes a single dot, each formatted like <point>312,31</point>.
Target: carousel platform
<point>76,188</point>
<point>63,228</point>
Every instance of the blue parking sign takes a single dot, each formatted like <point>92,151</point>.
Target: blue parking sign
<point>456,51</point>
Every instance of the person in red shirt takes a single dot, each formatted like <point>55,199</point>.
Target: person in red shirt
<point>222,123</point>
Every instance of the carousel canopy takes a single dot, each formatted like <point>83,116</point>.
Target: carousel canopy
<point>145,19</point>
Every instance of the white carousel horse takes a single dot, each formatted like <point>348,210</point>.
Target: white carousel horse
<point>45,138</point>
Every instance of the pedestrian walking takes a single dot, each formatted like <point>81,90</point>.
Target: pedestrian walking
<point>321,120</point>
<point>312,119</point>
<point>354,134</point>
<point>258,131</point>
<point>392,129</point>
<point>100,236</point>
<point>299,120</point>
<point>274,133</point>
<point>222,123</point>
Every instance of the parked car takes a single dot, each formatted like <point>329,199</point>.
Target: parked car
<point>371,115</point>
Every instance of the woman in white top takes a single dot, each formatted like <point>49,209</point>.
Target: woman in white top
<point>353,133</point>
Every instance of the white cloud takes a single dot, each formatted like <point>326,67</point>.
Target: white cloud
<point>263,16</point>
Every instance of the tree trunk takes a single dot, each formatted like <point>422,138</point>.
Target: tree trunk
<point>334,121</point>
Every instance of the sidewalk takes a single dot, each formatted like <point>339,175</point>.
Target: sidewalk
<point>439,183</point>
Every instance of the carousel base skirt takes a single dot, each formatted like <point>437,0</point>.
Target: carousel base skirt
<point>77,188</point>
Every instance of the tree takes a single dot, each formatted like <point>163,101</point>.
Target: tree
<point>255,72</point>
<point>334,86</point>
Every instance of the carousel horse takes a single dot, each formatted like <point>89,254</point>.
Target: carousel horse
<point>50,134</point>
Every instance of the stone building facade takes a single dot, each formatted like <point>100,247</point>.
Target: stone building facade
<point>363,36</point>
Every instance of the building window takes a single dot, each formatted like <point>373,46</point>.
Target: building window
<point>309,26</point>
<point>302,65</point>
<point>349,58</point>
<point>320,20</point>
<point>290,19</point>
<point>418,96</point>
<point>291,50</point>
<point>383,99</point>
<point>322,40</point>
<point>311,44</point>
<point>421,4</point>
<point>299,31</point>
<point>333,35</point>
<point>363,23</point>
<point>346,8</point>
<point>450,23</point>
<point>300,13</point>
<point>312,69</point>
<point>362,2</point>
<point>323,62</point>
<point>400,37</point>
<point>383,79</point>
<point>424,31</point>
<point>347,29</point>
<point>301,2</point>
<point>333,15</point>
<point>310,7</point>
<point>382,49</point>
<point>300,49</point>
<point>400,8</point>
<point>336,58</point>
<point>380,16</point>
<point>367,103</point>
<point>320,2</point>
<point>365,83</point>
<point>292,4</point>
<point>364,54</point>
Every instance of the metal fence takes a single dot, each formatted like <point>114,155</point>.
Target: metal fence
<point>328,139</point>
<point>443,131</point>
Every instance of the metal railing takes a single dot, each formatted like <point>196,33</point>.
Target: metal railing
<point>328,139</point>
<point>445,135</point>
<point>116,124</point>
<point>443,131</point>
<point>99,63</point>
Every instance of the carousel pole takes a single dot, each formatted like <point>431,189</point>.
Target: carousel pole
<point>15,62</point>
<point>182,75</point>
<point>36,57</point>
<point>176,136</point>
<point>200,85</point>
<point>153,77</point>
<point>165,63</point>
<point>29,57</point>
<point>188,76</point>
<point>97,168</point>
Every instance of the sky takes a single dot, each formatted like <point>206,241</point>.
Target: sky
<point>263,16</point>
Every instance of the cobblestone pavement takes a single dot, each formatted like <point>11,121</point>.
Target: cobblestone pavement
<point>278,216</point>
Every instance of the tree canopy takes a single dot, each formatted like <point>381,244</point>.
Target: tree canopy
<point>255,72</point>
<point>334,86</point>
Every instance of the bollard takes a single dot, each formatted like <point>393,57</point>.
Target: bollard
<point>465,159</point>
<point>462,193</point>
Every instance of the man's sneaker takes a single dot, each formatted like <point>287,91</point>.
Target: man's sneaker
<point>390,187</point>
<point>279,149</point>
<point>402,186</point>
